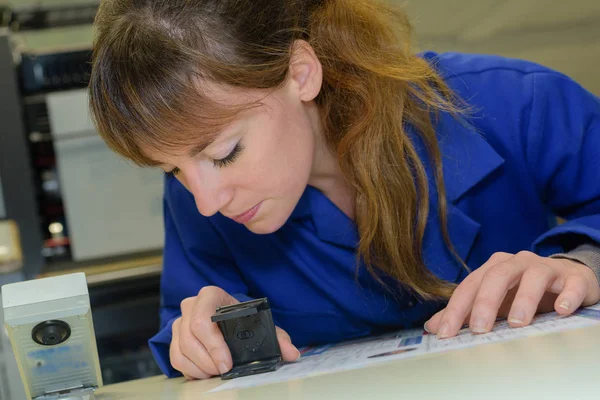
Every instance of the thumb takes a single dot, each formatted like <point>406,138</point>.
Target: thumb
<point>289,352</point>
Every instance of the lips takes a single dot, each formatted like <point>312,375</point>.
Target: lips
<point>247,215</point>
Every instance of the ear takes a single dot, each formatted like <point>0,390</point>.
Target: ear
<point>306,72</point>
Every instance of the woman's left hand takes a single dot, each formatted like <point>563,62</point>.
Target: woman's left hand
<point>516,286</point>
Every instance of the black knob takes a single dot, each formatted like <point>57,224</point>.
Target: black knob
<point>51,333</point>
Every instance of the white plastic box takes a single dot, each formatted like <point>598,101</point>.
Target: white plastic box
<point>56,313</point>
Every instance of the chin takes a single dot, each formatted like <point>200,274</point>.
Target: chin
<point>264,226</point>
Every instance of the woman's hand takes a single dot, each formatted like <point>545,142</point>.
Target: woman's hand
<point>515,286</point>
<point>198,349</point>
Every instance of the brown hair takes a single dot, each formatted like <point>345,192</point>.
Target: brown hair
<point>150,55</point>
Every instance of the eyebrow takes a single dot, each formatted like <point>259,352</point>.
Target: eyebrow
<point>197,149</point>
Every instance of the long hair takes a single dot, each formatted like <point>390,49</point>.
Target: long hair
<point>151,57</point>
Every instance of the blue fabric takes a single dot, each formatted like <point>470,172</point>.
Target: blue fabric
<point>528,152</point>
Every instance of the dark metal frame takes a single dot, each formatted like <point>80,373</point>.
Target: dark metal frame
<point>16,172</point>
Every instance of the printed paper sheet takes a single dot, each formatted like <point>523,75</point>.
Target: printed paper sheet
<point>404,344</point>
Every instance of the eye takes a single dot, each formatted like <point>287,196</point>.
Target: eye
<point>231,157</point>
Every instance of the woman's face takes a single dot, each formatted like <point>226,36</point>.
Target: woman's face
<point>257,168</point>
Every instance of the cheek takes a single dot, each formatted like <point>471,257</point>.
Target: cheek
<point>290,154</point>
<point>280,157</point>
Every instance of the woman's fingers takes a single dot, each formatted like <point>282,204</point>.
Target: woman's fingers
<point>464,299</point>
<point>572,296</point>
<point>179,361</point>
<point>433,323</point>
<point>452,318</point>
<point>289,352</point>
<point>193,349</point>
<point>206,331</point>
<point>497,281</point>
<point>534,283</point>
<point>517,286</point>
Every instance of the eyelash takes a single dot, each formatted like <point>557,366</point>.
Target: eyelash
<point>230,158</point>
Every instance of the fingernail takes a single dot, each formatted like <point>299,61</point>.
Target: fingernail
<point>425,328</point>
<point>517,317</point>
<point>565,304</point>
<point>479,325</point>
<point>223,368</point>
<point>443,331</point>
<point>299,355</point>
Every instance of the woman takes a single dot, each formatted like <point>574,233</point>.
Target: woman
<point>313,159</point>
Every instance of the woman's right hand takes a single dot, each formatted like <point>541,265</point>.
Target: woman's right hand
<point>198,349</point>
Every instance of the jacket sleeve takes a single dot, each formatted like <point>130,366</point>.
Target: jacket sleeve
<point>587,254</point>
<point>194,256</point>
<point>563,153</point>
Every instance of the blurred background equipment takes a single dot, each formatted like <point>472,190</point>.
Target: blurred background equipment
<point>35,14</point>
<point>11,257</point>
<point>78,206</point>
<point>2,210</point>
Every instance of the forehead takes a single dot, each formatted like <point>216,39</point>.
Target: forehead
<point>232,96</point>
<point>244,104</point>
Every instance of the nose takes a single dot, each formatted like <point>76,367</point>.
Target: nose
<point>209,190</point>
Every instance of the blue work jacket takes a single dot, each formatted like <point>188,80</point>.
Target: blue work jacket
<point>528,152</point>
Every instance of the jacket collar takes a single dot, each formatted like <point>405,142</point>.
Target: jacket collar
<point>467,159</point>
